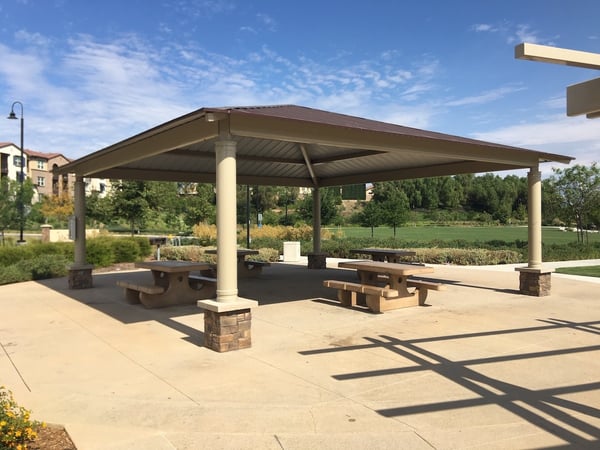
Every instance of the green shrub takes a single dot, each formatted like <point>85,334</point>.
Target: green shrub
<point>45,266</point>
<point>185,253</point>
<point>99,252</point>
<point>266,254</point>
<point>12,255</point>
<point>145,248</point>
<point>125,250</point>
<point>13,274</point>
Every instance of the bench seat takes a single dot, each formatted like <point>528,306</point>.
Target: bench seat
<point>249,263</point>
<point>132,290</point>
<point>361,288</point>
<point>377,299</point>
<point>196,280</point>
<point>423,287</point>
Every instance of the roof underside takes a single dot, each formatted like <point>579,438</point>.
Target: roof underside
<point>297,146</point>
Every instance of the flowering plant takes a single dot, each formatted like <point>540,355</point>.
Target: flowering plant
<point>16,426</point>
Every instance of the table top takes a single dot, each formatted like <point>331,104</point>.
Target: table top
<point>384,251</point>
<point>172,266</point>
<point>386,267</point>
<point>240,251</point>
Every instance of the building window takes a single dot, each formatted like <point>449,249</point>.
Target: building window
<point>41,181</point>
<point>40,164</point>
<point>17,161</point>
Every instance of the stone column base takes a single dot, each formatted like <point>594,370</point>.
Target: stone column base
<point>317,260</point>
<point>227,325</point>
<point>80,277</point>
<point>227,331</point>
<point>534,282</point>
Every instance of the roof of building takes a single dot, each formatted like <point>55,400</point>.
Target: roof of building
<point>295,145</point>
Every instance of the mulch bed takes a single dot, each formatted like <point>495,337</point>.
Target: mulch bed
<point>53,437</point>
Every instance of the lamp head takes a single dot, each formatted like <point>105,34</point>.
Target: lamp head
<point>12,115</point>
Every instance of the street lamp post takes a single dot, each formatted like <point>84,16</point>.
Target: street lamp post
<point>20,205</point>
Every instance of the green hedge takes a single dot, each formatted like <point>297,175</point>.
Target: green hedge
<point>36,261</point>
<point>198,253</point>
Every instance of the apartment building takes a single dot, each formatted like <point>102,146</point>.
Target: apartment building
<point>10,161</point>
<point>39,168</point>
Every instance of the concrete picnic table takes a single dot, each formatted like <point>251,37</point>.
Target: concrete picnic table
<point>395,292</point>
<point>172,284</point>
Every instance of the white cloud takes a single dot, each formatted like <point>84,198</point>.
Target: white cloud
<point>485,97</point>
<point>484,27</point>
<point>35,39</point>
<point>267,21</point>
<point>573,136</point>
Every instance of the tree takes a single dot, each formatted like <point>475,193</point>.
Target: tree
<point>578,190</point>
<point>57,208</point>
<point>99,209</point>
<point>199,205</point>
<point>392,203</point>
<point>370,216</point>
<point>287,196</point>
<point>331,199</point>
<point>9,209</point>
<point>130,203</point>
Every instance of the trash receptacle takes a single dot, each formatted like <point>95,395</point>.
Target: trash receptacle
<point>291,251</point>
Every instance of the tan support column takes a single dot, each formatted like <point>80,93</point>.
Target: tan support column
<point>80,273</point>
<point>316,259</point>
<point>227,289</point>
<point>227,319</point>
<point>532,279</point>
<point>534,211</point>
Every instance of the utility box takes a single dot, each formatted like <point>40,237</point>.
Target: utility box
<point>291,251</point>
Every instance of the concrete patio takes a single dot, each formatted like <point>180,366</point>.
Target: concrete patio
<point>480,367</point>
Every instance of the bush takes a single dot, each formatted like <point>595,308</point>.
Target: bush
<point>16,426</point>
<point>266,254</point>
<point>13,274</point>
<point>12,255</point>
<point>125,250</point>
<point>186,253</point>
<point>44,266</point>
<point>99,252</point>
<point>206,234</point>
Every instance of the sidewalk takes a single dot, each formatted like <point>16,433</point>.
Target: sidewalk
<point>480,367</point>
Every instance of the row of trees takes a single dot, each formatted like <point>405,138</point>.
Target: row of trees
<point>570,196</point>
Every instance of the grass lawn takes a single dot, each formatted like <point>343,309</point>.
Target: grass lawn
<point>428,233</point>
<point>586,271</point>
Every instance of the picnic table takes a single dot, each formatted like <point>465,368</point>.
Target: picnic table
<point>172,284</point>
<point>384,285</point>
<point>246,267</point>
<point>384,254</point>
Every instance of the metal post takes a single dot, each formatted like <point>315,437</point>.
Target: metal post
<point>20,202</point>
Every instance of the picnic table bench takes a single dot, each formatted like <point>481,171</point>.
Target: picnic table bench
<point>395,291</point>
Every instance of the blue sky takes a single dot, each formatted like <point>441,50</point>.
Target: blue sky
<point>91,73</point>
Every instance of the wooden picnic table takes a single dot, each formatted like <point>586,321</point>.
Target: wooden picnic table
<point>383,285</point>
<point>384,254</point>
<point>172,284</point>
<point>246,268</point>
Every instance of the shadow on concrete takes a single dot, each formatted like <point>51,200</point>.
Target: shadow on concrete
<point>277,284</point>
<point>546,408</point>
<point>109,299</point>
